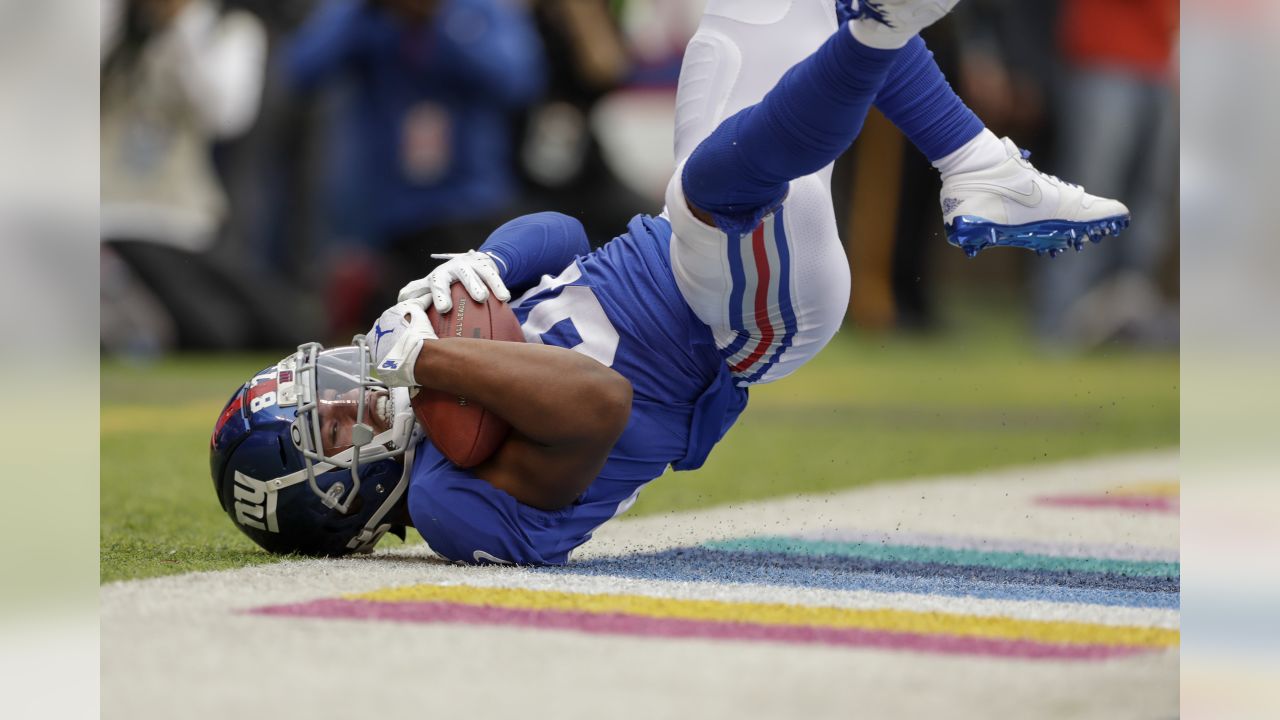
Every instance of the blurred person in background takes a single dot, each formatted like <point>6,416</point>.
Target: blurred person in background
<point>886,194</point>
<point>561,158</point>
<point>1118,136</point>
<point>1003,66</point>
<point>886,198</point>
<point>267,171</point>
<point>176,77</point>
<point>424,156</point>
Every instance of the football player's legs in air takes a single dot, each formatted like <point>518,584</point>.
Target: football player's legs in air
<point>758,259</point>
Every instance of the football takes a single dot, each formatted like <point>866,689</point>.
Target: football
<point>463,431</point>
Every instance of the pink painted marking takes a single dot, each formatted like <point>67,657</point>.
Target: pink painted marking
<point>1142,503</point>
<point>645,626</point>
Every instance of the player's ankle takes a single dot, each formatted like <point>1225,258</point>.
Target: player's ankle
<point>984,151</point>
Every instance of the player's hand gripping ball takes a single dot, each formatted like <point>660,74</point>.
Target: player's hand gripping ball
<point>463,431</point>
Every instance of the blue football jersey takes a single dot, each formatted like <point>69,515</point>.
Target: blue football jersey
<point>619,305</point>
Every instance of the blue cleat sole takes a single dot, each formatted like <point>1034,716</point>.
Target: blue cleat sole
<point>973,234</point>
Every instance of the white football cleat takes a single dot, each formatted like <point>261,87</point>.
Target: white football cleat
<point>889,24</point>
<point>1013,204</point>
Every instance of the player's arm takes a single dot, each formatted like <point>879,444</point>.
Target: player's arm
<point>741,170</point>
<point>531,246</point>
<point>512,260</point>
<point>565,410</point>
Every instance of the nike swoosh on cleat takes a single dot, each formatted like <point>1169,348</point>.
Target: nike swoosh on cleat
<point>1028,199</point>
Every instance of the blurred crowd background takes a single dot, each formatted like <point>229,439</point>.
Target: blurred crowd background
<point>272,171</point>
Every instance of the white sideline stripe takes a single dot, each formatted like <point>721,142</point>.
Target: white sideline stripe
<point>179,646</point>
<point>999,505</point>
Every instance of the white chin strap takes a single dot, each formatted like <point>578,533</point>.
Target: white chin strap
<point>374,528</point>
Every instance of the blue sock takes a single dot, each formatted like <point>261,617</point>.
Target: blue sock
<point>917,98</point>
<point>741,171</point>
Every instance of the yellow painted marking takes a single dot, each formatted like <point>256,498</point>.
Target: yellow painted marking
<point>1158,489</point>
<point>1073,633</point>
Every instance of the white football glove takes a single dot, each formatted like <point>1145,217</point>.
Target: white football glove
<point>410,328</point>
<point>477,271</point>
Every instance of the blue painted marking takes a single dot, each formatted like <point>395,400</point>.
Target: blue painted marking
<point>704,565</point>
<point>1027,576</point>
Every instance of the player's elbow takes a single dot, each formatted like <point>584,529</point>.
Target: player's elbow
<point>610,406</point>
<point>619,401</point>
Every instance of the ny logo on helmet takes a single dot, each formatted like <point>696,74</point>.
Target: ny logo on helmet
<point>254,504</point>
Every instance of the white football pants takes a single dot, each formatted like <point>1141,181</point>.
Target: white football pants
<point>774,297</point>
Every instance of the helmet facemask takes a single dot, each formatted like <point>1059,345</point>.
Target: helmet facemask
<point>326,382</point>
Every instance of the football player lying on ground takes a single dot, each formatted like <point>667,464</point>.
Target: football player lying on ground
<point>638,355</point>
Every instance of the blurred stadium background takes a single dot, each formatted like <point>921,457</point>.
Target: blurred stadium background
<point>48,194</point>
<point>272,171</point>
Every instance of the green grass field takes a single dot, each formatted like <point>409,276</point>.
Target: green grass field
<point>868,409</point>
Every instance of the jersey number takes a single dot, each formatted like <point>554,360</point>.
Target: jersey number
<point>580,307</point>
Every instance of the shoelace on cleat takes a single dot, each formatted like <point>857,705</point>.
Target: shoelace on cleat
<point>1026,155</point>
<point>844,12</point>
<point>847,10</point>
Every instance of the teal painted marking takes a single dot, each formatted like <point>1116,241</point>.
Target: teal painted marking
<point>948,556</point>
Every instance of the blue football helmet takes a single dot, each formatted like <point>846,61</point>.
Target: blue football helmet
<point>285,476</point>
